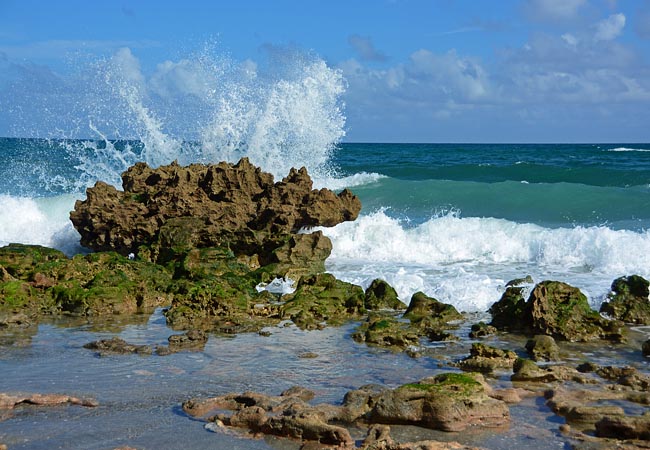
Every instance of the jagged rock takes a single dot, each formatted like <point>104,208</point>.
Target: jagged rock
<point>486,359</point>
<point>543,348</point>
<point>628,300</point>
<point>381,295</point>
<point>555,309</point>
<point>173,209</point>
<point>118,346</point>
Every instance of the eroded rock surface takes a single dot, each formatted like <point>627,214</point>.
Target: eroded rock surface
<point>173,209</point>
<point>447,402</point>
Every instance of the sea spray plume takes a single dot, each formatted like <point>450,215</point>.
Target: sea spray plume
<point>289,116</point>
<point>209,108</point>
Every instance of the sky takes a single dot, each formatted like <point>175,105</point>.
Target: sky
<point>410,70</point>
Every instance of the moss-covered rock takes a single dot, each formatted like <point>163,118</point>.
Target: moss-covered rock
<point>562,311</point>
<point>510,306</point>
<point>448,402</point>
<point>387,331</point>
<point>381,295</point>
<point>555,309</point>
<point>44,281</point>
<point>320,299</point>
<point>481,330</point>
<point>423,308</point>
<point>543,348</point>
<point>628,300</point>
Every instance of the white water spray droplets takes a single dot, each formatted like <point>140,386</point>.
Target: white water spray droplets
<point>209,108</point>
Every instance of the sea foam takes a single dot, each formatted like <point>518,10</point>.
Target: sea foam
<point>466,261</point>
<point>40,221</point>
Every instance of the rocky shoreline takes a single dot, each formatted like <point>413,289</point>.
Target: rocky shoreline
<point>226,250</point>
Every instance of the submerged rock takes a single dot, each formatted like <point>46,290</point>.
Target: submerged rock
<point>628,300</point>
<point>117,346</point>
<point>10,401</point>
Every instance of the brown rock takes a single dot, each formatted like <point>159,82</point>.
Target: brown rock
<point>625,427</point>
<point>448,402</point>
<point>174,209</point>
<point>9,401</point>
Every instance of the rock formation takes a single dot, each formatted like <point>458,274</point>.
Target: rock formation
<point>555,309</point>
<point>628,300</point>
<point>173,209</point>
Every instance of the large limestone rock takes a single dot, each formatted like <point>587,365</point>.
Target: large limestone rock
<point>447,402</point>
<point>555,309</point>
<point>173,209</point>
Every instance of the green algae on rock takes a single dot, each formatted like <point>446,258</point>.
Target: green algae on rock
<point>555,309</point>
<point>47,282</point>
<point>425,316</point>
<point>628,300</point>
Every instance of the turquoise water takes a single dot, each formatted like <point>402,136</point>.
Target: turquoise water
<point>456,221</point>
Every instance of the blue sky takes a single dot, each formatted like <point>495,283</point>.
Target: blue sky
<point>413,71</point>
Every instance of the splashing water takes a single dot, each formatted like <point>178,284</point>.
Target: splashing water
<point>209,109</point>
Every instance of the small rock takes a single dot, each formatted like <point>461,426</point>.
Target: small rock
<point>543,348</point>
<point>116,345</point>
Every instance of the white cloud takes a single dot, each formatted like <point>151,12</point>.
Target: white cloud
<point>365,48</point>
<point>610,28</point>
<point>570,39</point>
<point>555,9</point>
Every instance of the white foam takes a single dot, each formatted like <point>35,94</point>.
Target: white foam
<point>358,179</point>
<point>41,221</point>
<point>626,149</point>
<point>465,261</point>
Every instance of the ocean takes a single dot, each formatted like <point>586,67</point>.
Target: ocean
<point>456,221</point>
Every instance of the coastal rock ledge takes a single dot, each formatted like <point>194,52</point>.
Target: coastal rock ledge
<point>174,208</point>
